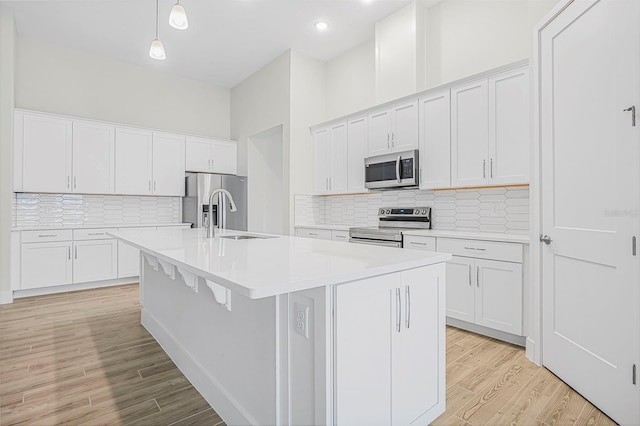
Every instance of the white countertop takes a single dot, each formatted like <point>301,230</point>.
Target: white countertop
<point>267,267</point>
<point>470,235</point>
<point>122,225</point>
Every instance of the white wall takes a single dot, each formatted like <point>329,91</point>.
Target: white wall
<point>7,44</point>
<point>259,103</point>
<point>60,80</point>
<point>350,81</point>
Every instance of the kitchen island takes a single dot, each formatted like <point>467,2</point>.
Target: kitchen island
<point>284,330</point>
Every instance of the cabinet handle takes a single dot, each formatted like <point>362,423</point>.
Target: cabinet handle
<point>477,276</point>
<point>475,248</point>
<point>75,252</point>
<point>491,168</point>
<point>68,182</point>
<point>154,186</point>
<point>484,169</point>
<point>407,294</point>
<point>469,274</point>
<point>398,310</point>
<point>75,182</point>
<point>388,145</point>
<point>393,139</point>
<point>311,233</point>
<point>69,252</point>
<point>47,235</point>
<point>96,233</point>
<point>330,183</point>
<point>149,186</point>
<point>417,243</point>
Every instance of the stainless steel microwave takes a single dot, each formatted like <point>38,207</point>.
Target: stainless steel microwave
<point>389,171</point>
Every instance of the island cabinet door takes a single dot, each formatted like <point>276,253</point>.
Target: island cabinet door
<point>363,327</point>
<point>461,279</point>
<point>417,340</point>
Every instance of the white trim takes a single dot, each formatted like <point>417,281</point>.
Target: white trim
<point>534,351</point>
<point>73,287</point>
<point>6,297</point>
<point>486,331</point>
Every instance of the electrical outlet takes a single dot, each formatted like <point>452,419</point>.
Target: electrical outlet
<point>301,319</point>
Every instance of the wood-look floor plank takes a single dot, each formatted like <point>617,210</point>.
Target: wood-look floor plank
<point>564,407</point>
<point>204,418</point>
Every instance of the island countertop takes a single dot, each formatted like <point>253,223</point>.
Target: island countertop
<point>274,264</point>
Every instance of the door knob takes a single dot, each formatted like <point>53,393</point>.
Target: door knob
<point>545,239</point>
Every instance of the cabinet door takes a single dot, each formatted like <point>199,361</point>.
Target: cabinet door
<point>168,164</point>
<point>46,154</point>
<point>322,158</point>
<point>461,279</point>
<point>128,260</point>
<point>198,155</point>
<point>404,133</point>
<point>93,158</point>
<point>498,299</point>
<point>95,260</point>
<point>339,159</point>
<point>418,348</point>
<point>357,151</point>
<point>134,161</point>
<point>224,157</point>
<point>379,133</point>
<point>46,264</point>
<point>469,135</point>
<point>435,141</point>
<point>509,127</point>
<point>363,327</point>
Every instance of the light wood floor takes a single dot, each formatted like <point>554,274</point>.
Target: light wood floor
<point>84,358</point>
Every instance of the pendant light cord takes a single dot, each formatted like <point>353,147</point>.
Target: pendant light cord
<point>157,17</point>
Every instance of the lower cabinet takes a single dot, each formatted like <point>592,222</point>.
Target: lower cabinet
<point>128,260</point>
<point>387,338</point>
<point>95,260</point>
<point>46,264</point>
<point>320,234</point>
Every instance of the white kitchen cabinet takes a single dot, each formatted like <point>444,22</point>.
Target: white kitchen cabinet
<point>387,338</point>
<point>128,260</point>
<point>134,161</point>
<point>435,140</point>
<point>338,235</point>
<point>394,129</point>
<point>43,146</point>
<point>44,264</point>
<point>95,260</point>
<point>168,164</point>
<point>485,289</point>
<point>490,131</point>
<point>419,242</point>
<point>357,141</point>
<point>330,148</point>
<point>93,158</point>
<point>211,155</point>
<point>317,233</point>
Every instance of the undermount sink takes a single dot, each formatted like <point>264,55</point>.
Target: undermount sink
<point>244,237</point>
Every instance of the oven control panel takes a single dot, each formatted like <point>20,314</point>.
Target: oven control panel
<point>405,212</point>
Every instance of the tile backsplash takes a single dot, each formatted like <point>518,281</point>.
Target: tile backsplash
<point>68,210</point>
<point>503,210</point>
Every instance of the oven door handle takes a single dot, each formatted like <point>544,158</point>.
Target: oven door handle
<point>398,169</point>
<point>376,242</point>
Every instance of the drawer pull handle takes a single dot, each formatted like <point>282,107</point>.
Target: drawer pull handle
<point>96,233</point>
<point>47,235</point>
<point>475,248</point>
<point>418,244</point>
<point>311,233</point>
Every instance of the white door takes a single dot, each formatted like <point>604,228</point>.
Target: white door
<point>435,141</point>
<point>404,133</point>
<point>460,288</point>
<point>46,156</point>
<point>498,298</point>
<point>198,155</point>
<point>134,161</point>
<point>95,260</point>
<point>224,157</point>
<point>590,157</point>
<point>339,159</point>
<point>469,135</point>
<point>322,158</point>
<point>168,164</point>
<point>357,140</point>
<point>128,260</point>
<point>93,158</point>
<point>46,264</point>
<point>379,133</point>
<point>509,127</point>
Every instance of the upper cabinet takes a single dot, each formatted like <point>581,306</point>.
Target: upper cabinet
<point>149,163</point>
<point>93,158</point>
<point>357,138</point>
<point>394,129</point>
<point>435,140</point>
<point>490,131</point>
<point>211,155</point>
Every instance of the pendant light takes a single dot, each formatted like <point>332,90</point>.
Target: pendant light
<point>178,17</point>
<point>156,51</point>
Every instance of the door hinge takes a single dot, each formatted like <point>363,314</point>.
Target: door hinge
<point>633,375</point>
<point>633,245</point>
<point>633,114</point>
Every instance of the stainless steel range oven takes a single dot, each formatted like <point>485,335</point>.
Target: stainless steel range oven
<point>391,223</point>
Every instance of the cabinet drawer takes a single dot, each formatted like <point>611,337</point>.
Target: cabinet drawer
<point>91,234</point>
<point>46,235</point>
<point>508,252</point>
<point>340,236</point>
<point>419,243</point>
<point>322,234</point>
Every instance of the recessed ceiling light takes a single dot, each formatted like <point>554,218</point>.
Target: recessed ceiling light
<point>322,26</point>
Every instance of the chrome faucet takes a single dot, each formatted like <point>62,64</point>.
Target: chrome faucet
<point>232,207</point>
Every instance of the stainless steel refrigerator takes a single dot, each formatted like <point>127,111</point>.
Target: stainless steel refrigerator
<point>195,204</point>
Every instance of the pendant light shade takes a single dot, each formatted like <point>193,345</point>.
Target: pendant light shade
<point>178,17</point>
<point>156,51</point>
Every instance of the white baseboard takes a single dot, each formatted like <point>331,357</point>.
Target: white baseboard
<point>210,389</point>
<point>73,287</point>
<point>531,352</point>
<point>6,297</point>
<point>485,331</point>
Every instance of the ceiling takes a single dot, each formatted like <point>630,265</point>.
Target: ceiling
<point>227,40</point>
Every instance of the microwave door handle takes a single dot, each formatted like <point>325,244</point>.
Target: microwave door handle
<point>398,169</point>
